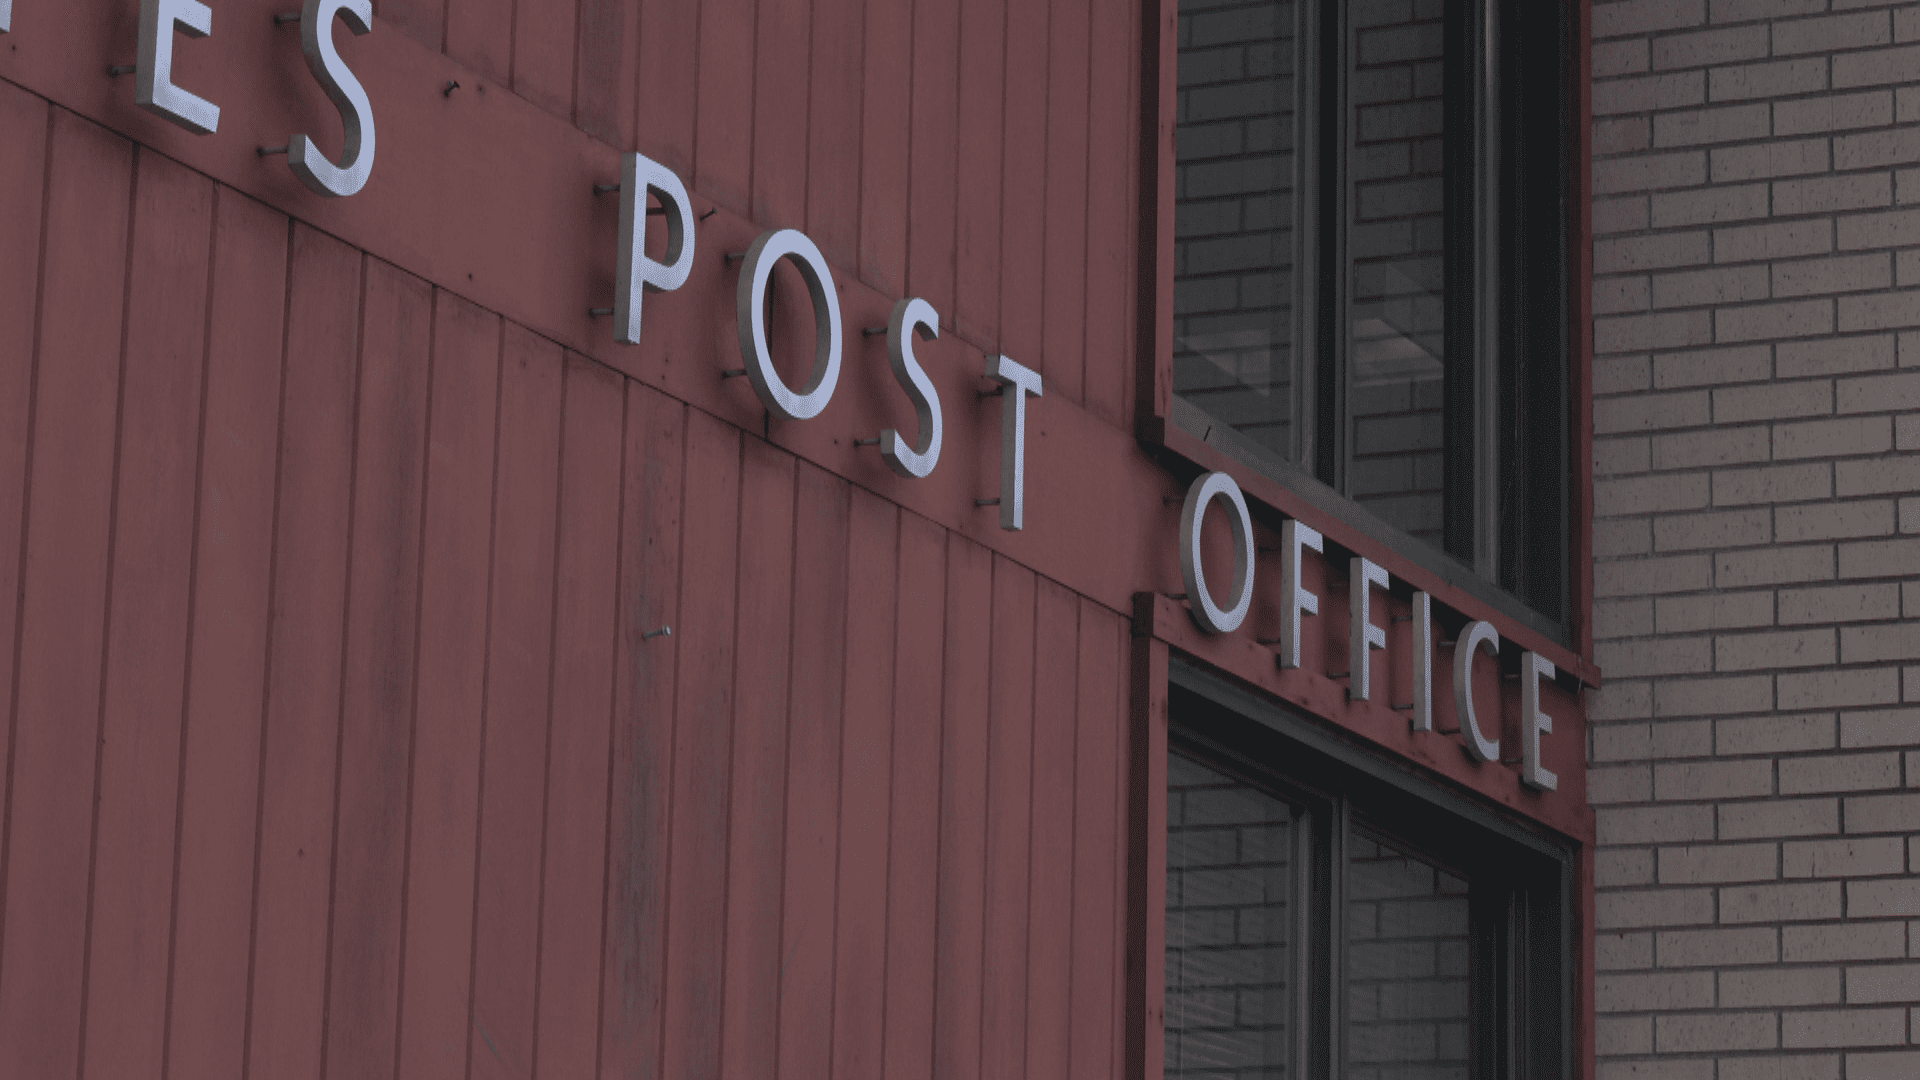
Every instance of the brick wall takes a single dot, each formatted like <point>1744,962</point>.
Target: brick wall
<point>1756,749</point>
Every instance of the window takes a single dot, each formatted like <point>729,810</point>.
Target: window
<point>1370,267</point>
<point>1328,916</point>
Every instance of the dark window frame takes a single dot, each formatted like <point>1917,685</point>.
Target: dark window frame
<point>1522,880</point>
<point>1537,460</point>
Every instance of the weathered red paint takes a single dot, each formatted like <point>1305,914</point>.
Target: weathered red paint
<point>345,527</point>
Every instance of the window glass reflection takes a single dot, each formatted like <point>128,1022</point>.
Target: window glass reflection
<point>1406,966</point>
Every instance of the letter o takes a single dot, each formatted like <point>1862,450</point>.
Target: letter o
<point>1211,617</point>
<point>755,276</point>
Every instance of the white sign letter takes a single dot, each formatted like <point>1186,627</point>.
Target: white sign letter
<point>154,90</point>
<point>1016,383</point>
<point>1211,617</point>
<point>1422,719</point>
<point>321,176</point>
<point>6,16</point>
<point>910,317</point>
<point>1294,598</point>
<point>751,320</point>
<point>1533,667</point>
<point>1362,636</point>
<point>1476,637</point>
<point>636,272</point>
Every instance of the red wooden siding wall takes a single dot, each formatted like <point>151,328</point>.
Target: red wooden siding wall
<point>336,745</point>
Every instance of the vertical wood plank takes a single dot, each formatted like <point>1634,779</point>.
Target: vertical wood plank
<point>756,824</point>
<point>833,129</point>
<point>443,793</point>
<point>1003,1018</point>
<point>422,20</point>
<point>936,89</point>
<point>545,38</point>
<point>304,663</point>
<point>964,709</point>
<point>506,929</point>
<point>480,35</point>
<point>914,860</point>
<point>724,135</point>
<point>884,145</point>
<point>782,42</point>
<point>62,600</point>
<point>220,800</point>
<point>1145,795</point>
<point>23,180</point>
<point>1113,148</point>
<point>821,507</point>
<point>1098,832</point>
<point>604,72</point>
<point>1023,174</point>
<point>702,752</point>
<point>370,795</point>
<point>1065,296</point>
<point>148,626</point>
<point>666,117</point>
<point>1050,895</point>
<point>643,725</point>
<point>586,606</point>
<point>860,935</point>
<point>982,113</point>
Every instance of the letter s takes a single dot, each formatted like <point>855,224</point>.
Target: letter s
<point>913,461</point>
<point>321,176</point>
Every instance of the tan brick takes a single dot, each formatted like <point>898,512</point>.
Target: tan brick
<point>1877,67</point>
<point>1879,393</point>
<point>1781,1067</point>
<point>1611,58</point>
<point>1720,446</point>
<point>1773,483</point>
<point>1622,374</point>
<point>1620,742</point>
<point>1881,727</point>
<point>1775,240</point>
<point>1622,784</point>
<point>1753,322</point>
<point>1876,149</point>
<point>1880,558</point>
<point>1762,988</point>
<point>1847,273</point>
<point>1832,521</point>
<point>1643,93</point>
<point>1718,611</point>
<point>1614,457</point>
<point>1874,984</point>
<point>1630,536</point>
<point>1868,644</point>
<point>1642,253</point>
<point>1767,80</point>
<point>1884,898</point>
<point>1906,432</point>
<point>1658,1068</point>
<point>1840,858</point>
<point>1773,735</point>
<point>1653,992</point>
<point>1840,941</point>
<point>1833,438</point>
<point>1719,367</point>
<point>1621,951</point>
<point>1622,618</point>
<point>1711,948</point>
<point>1774,401</point>
<point>1883,814</point>
<point>1894,228</point>
<point>1771,566</point>
<point>1676,739</point>
<point>1833,112</point>
<point>1698,780</point>
<point>1617,867</point>
<point>1695,1032</point>
<point>1836,689</point>
<point>1795,359</point>
<point>1759,161</point>
<point>1736,528</point>
<point>1727,123</point>
<point>1651,412</point>
<point>1715,697</point>
<point>1654,907</point>
<point>1616,1036</point>
<point>1620,699</point>
<point>1909,516</point>
<point>1880,311</point>
<point>1710,47</point>
<point>1831,33</point>
<point>1897,1065</point>
<point>1648,172</point>
<point>1651,494</point>
<point>1614,295</point>
<point>1716,864</point>
<point>1778,818</point>
<point>1641,577</point>
<point>1825,194</point>
<point>1839,603</point>
<point>1667,656</point>
<point>1654,824</point>
<point>1843,1027</point>
<point>1901,474</point>
<point>1845,772</point>
<point>1783,649</point>
<point>1640,16</point>
<point>1629,214</point>
<point>1731,11</point>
